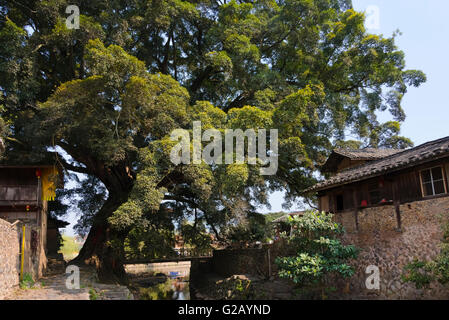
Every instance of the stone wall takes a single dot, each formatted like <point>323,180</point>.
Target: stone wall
<point>9,257</point>
<point>390,249</point>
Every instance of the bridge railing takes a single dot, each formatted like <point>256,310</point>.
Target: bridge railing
<point>180,254</point>
<point>187,252</point>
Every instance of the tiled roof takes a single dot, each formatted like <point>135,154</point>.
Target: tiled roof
<point>284,217</point>
<point>403,159</point>
<point>366,154</point>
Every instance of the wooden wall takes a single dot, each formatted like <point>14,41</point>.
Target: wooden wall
<point>19,188</point>
<point>17,176</point>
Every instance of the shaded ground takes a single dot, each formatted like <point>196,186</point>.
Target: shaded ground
<point>53,287</point>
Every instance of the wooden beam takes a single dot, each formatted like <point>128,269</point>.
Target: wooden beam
<point>398,214</point>
<point>332,206</point>
<point>356,209</point>
<point>397,204</point>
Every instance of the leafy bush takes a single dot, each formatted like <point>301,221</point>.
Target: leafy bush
<point>319,252</point>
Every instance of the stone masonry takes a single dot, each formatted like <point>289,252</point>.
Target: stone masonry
<point>390,249</point>
<point>9,257</point>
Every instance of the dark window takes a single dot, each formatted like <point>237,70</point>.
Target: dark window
<point>432,181</point>
<point>340,202</point>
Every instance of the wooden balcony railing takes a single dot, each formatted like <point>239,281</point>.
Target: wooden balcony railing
<point>20,194</point>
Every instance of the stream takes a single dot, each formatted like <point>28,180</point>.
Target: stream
<point>160,281</point>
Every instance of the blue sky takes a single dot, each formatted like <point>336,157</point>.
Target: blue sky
<point>425,41</point>
<point>425,28</point>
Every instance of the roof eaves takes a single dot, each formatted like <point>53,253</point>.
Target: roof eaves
<point>413,160</point>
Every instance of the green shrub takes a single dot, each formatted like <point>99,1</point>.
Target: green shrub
<point>318,251</point>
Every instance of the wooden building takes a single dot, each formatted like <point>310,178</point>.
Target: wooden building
<point>359,179</point>
<point>24,195</point>
<point>281,224</point>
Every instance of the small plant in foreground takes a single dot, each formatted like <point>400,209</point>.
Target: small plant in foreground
<point>27,281</point>
<point>93,295</point>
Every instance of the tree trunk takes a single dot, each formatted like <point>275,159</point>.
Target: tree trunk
<point>98,249</point>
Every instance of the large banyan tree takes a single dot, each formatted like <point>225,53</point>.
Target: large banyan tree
<point>101,100</point>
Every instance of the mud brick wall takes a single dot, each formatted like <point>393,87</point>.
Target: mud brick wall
<point>390,249</point>
<point>9,257</point>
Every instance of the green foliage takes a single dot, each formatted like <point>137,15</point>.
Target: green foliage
<point>152,239</point>
<point>319,252</point>
<point>161,291</point>
<point>27,281</point>
<point>254,228</point>
<point>94,295</point>
<point>196,237</point>
<point>235,288</point>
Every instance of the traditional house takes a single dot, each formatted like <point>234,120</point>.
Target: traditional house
<point>341,159</point>
<point>281,225</point>
<point>24,195</point>
<point>392,204</point>
<point>385,177</point>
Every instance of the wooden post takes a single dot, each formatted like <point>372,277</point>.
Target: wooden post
<point>356,209</point>
<point>22,257</point>
<point>398,214</point>
<point>397,204</point>
<point>269,263</point>
<point>332,202</point>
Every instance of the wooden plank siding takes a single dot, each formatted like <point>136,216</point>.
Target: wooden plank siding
<point>407,182</point>
<point>18,193</point>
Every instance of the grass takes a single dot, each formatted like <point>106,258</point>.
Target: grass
<point>70,248</point>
